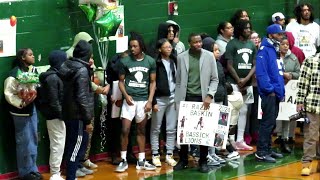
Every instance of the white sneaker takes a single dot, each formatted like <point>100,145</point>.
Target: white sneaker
<point>56,177</point>
<point>242,146</point>
<point>170,160</point>
<point>233,155</point>
<point>89,164</point>
<point>156,160</point>
<point>217,158</point>
<point>123,166</point>
<point>211,161</point>
<point>145,165</point>
<point>86,171</point>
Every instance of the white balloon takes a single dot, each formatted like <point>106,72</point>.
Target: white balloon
<point>99,2</point>
<point>105,3</point>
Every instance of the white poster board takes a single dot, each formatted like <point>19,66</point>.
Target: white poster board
<point>4,1</point>
<point>116,95</point>
<point>203,127</point>
<point>7,38</point>
<point>288,106</point>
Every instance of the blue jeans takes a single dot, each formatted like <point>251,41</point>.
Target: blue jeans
<point>76,144</point>
<point>26,129</point>
<point>270,109</point>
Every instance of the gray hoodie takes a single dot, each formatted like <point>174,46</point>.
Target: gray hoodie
<point>179,46</point>
<point>222,43</point>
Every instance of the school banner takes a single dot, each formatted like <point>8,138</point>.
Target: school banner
<point>203,127</point>
<point>288,106</point>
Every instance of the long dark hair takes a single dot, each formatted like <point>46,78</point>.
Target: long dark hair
<point>239,28</point>
<point>21,53</point>
<point>236,16</point>
<point>298,10</point>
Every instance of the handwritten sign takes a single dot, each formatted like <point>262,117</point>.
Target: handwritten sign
<point>203,127</point>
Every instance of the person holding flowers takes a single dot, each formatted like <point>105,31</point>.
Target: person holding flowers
<point>20,93</point>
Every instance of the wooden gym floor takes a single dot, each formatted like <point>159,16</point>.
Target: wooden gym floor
<point>245,168</point>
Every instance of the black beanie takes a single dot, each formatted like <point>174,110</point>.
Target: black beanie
<point>83,51</point>
<point>207,44</point>
<point>56,58</point>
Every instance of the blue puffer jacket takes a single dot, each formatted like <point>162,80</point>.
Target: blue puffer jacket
<point>269,71</point>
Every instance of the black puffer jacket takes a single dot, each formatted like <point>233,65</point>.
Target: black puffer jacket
<point>78,101</point>
<point>51,94</point>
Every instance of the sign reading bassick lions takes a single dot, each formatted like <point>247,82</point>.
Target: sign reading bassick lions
<point>203,127</point>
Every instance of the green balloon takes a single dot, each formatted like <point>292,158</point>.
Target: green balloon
<point>89,10</point>
<point>108,24</point>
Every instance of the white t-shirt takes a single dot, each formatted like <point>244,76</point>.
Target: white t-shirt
<point>307,37</point>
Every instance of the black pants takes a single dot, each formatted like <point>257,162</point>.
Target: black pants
<point>76,144</point>
<point>184,148</point>
<point>270,109</point>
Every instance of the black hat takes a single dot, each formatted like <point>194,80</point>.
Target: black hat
<point>83,51</point>
<point>56,58</point>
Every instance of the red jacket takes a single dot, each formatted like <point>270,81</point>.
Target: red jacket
<point>295,50</point>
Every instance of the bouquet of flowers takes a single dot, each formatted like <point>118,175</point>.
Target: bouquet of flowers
<point>28,81</point>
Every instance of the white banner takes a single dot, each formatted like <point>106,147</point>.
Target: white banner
<point>4,1</point>
<point>203,127</point>
<point>288,106</point>
<point>7,38</point>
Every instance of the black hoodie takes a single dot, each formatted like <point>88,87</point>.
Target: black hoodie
<point>78,102</point>
<point>50,94</point>
<point>163,33</point>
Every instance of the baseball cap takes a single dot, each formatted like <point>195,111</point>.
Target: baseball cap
<point>274,29</point>
<point>277,16</point>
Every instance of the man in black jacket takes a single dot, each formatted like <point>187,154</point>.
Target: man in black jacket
<point>78,104</point>
<point>51,94</point>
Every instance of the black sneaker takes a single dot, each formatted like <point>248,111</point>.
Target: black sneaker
<point>131,159</point>
<point>204,168</point>
<point>278,140</point>
<point>265,158</point>
<point>284,147</point>
<point>30,176</point>
<point>276,155</point>
<point>38,175</point>
<point>180,166</point>
<point>291,140</point>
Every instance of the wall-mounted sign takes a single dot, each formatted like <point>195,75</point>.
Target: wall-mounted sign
<point>7,38</point>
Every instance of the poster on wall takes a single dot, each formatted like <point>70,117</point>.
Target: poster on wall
<point>7,38</point>
<point>4,1</point>
<point>288,106</point>
<point>121,39</point>
<point>203,127</point>
<point>119,13</point>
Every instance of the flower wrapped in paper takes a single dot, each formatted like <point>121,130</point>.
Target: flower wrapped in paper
<point>28,81</point>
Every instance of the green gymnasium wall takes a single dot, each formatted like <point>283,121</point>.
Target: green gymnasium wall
<point>44,25</point>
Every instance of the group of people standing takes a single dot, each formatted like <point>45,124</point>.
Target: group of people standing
<point>231,71</point>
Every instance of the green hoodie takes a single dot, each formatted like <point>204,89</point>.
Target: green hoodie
<point>80,36</point>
